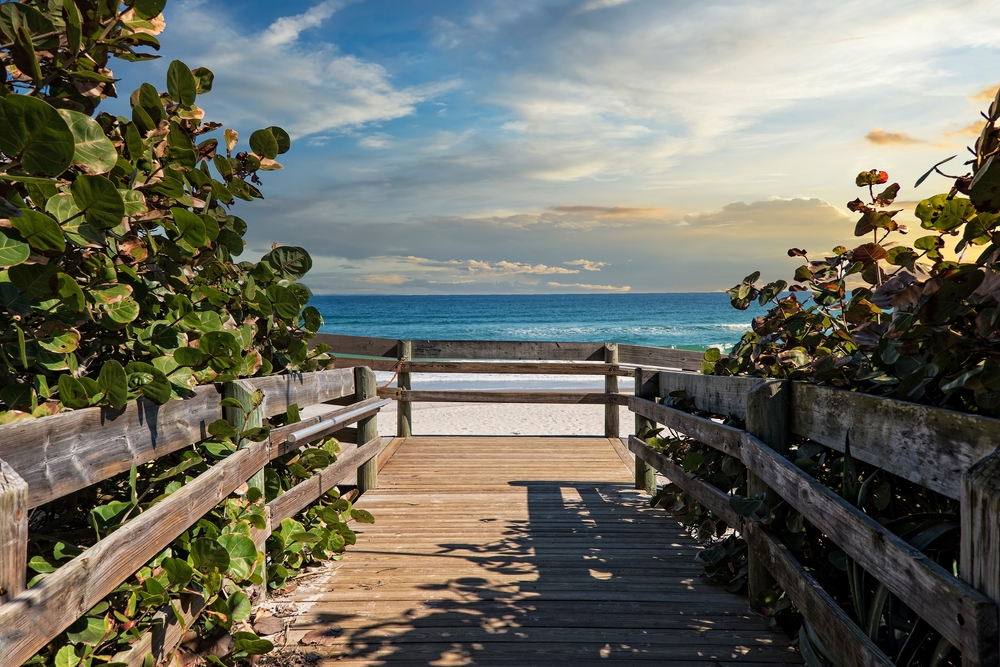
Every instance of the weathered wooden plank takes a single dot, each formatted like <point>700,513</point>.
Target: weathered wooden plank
<point>304,389</point>
<point>389,448</point>
<point>518,368</point>
<point>646,388</point>
<point>963,615</point>
<point>554,397</point>
<point>662,357</point>
<point>293,501</point>
<point>365,388</point>
<point>497,349</point>
<point>359,345</point>
<point>620,445</point>
<point>713,393</point>
<point>404,411</point>
<point>250,416</point>
<point>376,364</point>
<point>279,436</point>
<point>612,427</point>
<point>831,623</point>
<point>980,548</point>
<point>926,445</point>
<point>703,492</point>
<point>31,619</point>
<point>72,450</point>
<point>719,436</point>
<point>165,633</point>
<point>13,532</point>
<point>768,403</point>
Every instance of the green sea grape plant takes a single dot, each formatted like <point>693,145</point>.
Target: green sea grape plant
<point>119,281</point>
<point>917,321</point>
<point>118,275</point>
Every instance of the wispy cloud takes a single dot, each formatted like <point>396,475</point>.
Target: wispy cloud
<point>384,279</point>
<point>880,137</point>
<point>971,130</point>
<point>586,264</point>
<point>986,94</point>
<point>593,5</point>
<point>593,288</point>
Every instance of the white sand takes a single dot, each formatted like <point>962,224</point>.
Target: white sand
<point>504,419</point>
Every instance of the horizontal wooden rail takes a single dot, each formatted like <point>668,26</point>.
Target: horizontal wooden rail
<point>568,368</point>
<point>554,397</point>
<point>963,615</point>
<point>830,621</point>
<point>719,436</point>
<point>924,444</point>
<point>302,389</point>
<point>75,449</point>
<point>712,393</point>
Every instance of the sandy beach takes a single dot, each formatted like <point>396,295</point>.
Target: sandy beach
<point>504,419</point>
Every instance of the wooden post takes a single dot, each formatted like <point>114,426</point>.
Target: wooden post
<point>365,387</point>
<point>244,392</point>
<point>768,419</point>
<point>404,409</point>
<point>13,532</point>
<point>645,474</point>
<point>980,547</point>
<point>611,411</point>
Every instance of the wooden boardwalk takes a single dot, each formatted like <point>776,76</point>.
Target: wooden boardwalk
<point>527,551</point>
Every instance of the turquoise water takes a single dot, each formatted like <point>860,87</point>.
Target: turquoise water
<point>686,321</point>
<point>693,321</point>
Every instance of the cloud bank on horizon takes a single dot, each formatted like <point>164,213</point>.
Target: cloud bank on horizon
<point>580,145</point>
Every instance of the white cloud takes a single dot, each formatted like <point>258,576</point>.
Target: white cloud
<point>601,4</point>
<point>587,265</point>
<point>274,77</point>
<point>376,141</point>
<point>383,279</point>
<point>594,288</point>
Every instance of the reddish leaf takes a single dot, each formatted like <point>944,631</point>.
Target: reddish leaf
<point>869,253</point>
<point>796,252</point>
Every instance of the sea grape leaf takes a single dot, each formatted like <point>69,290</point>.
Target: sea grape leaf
<point>264,143</point>
<point>242,555</point>
<point>12,251</point>
<point>41,232</point>
<point>99,200</point>
<point>114,384</point>
<point>33,131</point>
<point>93,151</point>
<point>181,83</point>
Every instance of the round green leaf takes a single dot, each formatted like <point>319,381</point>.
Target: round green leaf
<point>288,262</point>
<point>120,312</point>
<point>114,383</point>
<point>181,83</point>
<point>179,573</point>
<point>283,302</point>
<point>205,78</point>
<point>284,141</point>
<point>70,293</point>
<point>242,555</point>
<point>189,356</point>
<point>264,143</point>
<point>88,630</point>
<point>72,393</point>
<point>100,201</point>
<point>191,229</point>
<point>93,151</point>
<point>147,9</point>
<point>208,555</point>
<point>41,232</point>
<point>67,657</point>
<point>35,280</point>
<point>12,251</point>
<point>63,342</point>
<point>34,132</point>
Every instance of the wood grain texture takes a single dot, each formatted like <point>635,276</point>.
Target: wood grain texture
<point>13,532</point>
<point>304,389</point>
<point>611,412</point>
<point>404,410</point>
<point>647,387</point>
<point>510,350</point>
<point>357,345</point>
<point>365,388</point>
<point>661,357</point>
<point>279,436</point>
<point>926,445</point>
<point>532,551</point>
<point>518,368</point>
<point>980,548</point>
<point>840,634</point>
<point>713,393</point>
<point>553,397</point>
<point>620,446</point>
<point>28,621</point>
<point>72,450</point>
<point>703,492</point>
<point>959,612</point>
<point>768,404</point>
<point>719,436</point>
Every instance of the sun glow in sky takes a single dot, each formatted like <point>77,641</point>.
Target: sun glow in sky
<point>505,146</point>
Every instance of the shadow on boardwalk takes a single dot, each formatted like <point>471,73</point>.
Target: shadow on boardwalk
<point>590,575</point>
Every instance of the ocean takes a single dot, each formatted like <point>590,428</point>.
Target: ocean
<point>691,321</point>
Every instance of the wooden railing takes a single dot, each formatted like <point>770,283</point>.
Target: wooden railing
<point>45,459</point>
<point>954,454</point>
<point>406,358</point>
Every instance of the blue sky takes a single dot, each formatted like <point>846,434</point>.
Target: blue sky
<point>579,145</point>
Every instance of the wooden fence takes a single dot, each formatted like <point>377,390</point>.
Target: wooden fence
<point>45,459</point>
<point>954,454</point>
